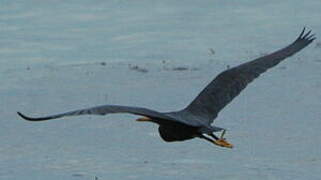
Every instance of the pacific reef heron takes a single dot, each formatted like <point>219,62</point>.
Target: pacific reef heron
<point>195,120</point>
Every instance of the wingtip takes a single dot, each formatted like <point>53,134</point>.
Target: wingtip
<point>302,32</point>
<point>22,116</point>
<point>311,37</point>
<point>26,117</point>
<point>306,36</point>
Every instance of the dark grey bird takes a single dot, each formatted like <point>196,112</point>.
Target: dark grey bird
<point>195,120</point>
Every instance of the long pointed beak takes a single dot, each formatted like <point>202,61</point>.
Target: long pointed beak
<point>144,119</point>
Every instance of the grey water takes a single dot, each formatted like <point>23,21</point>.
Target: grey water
<point>59,55</point>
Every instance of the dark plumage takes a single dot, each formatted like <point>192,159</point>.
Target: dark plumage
<point>195,120</point>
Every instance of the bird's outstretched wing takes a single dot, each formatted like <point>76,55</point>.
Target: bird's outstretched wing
<point>109,109</point>
<point>228,84</point>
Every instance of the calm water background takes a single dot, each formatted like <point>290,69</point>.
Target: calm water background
<point>62,55</point>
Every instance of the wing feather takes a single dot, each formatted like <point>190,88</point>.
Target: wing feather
<point>110,109</point>
<point>228,84</point>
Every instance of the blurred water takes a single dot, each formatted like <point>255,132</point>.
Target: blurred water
<point>51,54</point>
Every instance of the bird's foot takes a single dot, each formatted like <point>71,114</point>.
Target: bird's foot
<point>222,141</point>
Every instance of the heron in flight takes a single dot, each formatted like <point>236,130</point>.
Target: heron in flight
<point>195,120</point>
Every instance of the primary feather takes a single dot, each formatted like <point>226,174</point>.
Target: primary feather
<point>228,84</point>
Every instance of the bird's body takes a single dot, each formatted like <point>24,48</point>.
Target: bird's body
<point>177,132</point>
<point>195,120</point>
